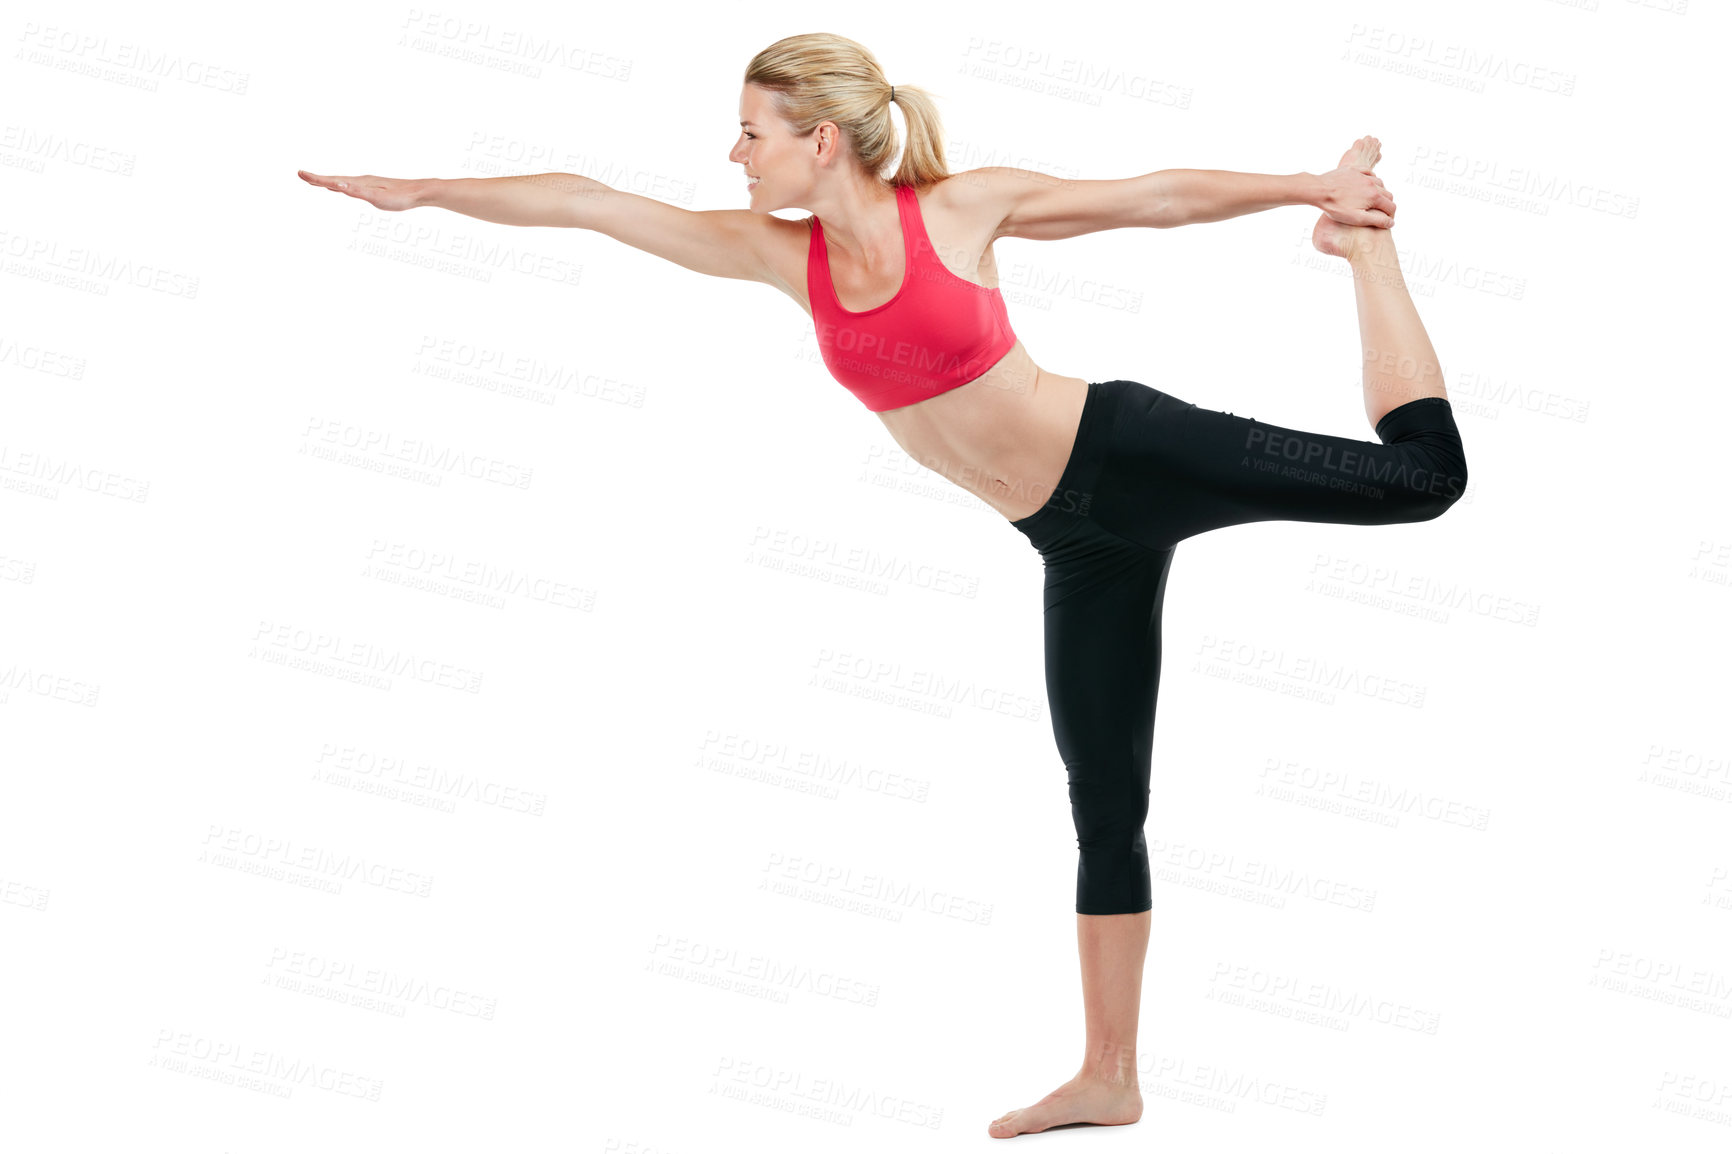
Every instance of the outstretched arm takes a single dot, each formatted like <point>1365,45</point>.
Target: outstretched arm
<point>1036,206</point>
<point>1203,195</point>
<point>721,242</point>
<point>541,198</point>
<point>1350,193</point>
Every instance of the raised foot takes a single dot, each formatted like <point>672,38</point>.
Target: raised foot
<point>1333,238</point>
<point>1364,152</point>
<point>1078,1100</point>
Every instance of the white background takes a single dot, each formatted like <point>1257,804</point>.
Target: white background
<point>753,834</point>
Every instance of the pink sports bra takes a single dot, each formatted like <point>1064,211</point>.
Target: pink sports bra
<point>938,332</point>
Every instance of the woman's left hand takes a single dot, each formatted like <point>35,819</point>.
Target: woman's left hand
<point>1353,194</point>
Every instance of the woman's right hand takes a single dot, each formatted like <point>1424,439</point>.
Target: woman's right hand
<point>384,192</point>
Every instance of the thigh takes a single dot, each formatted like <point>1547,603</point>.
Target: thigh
<point>1174,469</point>
<point>1103,661</point>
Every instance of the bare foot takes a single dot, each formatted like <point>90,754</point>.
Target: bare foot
<point>1346,240</point>
<point>1078,1100</point>
<point>1343,240</point>
<point>1364,152</point>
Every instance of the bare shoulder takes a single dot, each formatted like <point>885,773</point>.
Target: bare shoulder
<point>1033,205</point>
<point>785,245</point>
<point>989,197</point>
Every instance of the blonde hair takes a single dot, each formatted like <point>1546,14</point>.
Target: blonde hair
<point>817,76</point>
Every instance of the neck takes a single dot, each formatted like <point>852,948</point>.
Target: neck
<point>856,221</point>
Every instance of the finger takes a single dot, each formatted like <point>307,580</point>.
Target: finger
<point>332,182</point>
<point>1383,201</point>
<point>1376,219</point>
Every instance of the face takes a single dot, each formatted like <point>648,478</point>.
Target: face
<point>766,153</point>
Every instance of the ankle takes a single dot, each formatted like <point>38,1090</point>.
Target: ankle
<point>1110,1064</point>
<point>1373,248</point>
<point>1116,1078</point>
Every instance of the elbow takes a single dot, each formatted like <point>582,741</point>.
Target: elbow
<point>1168,212</point>
<point>1160,200</point>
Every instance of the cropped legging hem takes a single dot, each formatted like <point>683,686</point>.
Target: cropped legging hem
<point>1146,471</point>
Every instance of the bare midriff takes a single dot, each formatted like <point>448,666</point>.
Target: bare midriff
<point>1004,436</point>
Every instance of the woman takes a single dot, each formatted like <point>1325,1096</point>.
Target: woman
<point>1104,478</point>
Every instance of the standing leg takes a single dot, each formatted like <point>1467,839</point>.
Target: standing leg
<point>1112,948</point>
<point>1103,663</point>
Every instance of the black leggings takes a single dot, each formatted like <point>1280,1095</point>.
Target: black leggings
<point>1148,470</point>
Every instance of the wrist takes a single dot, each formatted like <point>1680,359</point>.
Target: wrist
<point>1308,189</point>
<point>425,191</point>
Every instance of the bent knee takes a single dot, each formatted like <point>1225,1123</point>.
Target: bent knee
<point>1430,506</point>
<point>1431,476</point>
<point>1442,489</point>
